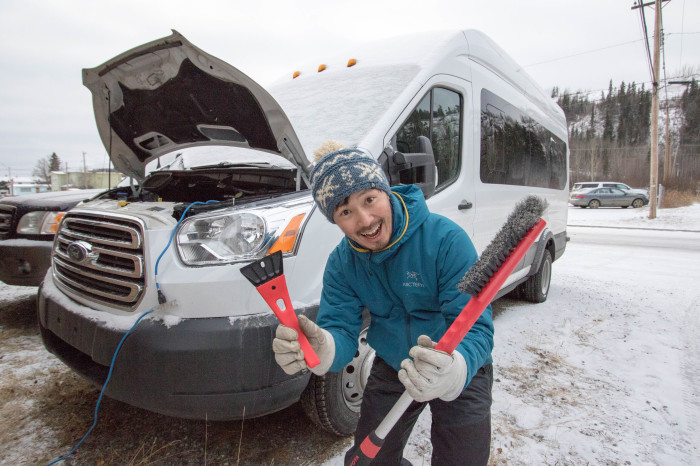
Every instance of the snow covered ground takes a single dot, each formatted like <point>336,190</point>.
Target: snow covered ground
<point>607,370</point>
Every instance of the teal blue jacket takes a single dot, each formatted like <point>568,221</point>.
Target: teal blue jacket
<point>409,288</point>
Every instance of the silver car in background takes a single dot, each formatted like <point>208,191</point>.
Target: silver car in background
<point>607,197</point>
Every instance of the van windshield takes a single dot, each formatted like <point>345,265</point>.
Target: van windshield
<point>341,105</point>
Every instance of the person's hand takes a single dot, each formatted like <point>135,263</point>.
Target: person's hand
<point>432,373</point>
<point>289,355</point>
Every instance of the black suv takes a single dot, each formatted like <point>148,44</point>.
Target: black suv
<point>27,227</point>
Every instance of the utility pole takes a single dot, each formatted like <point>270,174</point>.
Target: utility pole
<point>667,150</point>
<point>654,172</point>
<point>654,169</point>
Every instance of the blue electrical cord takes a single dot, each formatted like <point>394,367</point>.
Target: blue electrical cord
<point>161,297</point>
<point>104,386</point>
<point>114,357</point>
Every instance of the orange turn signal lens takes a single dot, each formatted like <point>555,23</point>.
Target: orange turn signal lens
<point>53,226</point>
<point>285,242</point>
<point>321,68</point>
<point>352,62</point>
<point>296,74</point>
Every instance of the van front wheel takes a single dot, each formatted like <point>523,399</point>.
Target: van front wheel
<point>536,288</point>
<point>332,401</point>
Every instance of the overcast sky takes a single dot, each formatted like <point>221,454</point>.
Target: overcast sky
<point>44,108</point>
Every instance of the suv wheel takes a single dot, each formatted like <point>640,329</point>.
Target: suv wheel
<point>536,288</point>
<point>332,401</point>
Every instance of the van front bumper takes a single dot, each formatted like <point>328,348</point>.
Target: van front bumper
<point>213,368</point>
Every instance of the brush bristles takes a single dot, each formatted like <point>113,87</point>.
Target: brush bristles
<point>524,216</point>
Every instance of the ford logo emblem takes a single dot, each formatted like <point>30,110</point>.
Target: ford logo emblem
<point>80,251</point>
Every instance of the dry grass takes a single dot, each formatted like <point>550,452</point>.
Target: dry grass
<point>672,199</point>
<point>45,409</point>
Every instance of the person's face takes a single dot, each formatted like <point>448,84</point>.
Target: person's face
<point>365,218</point>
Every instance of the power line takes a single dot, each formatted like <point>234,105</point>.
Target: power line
<point>680,59</point>
<point>583,53</point>
<point>646,40</point>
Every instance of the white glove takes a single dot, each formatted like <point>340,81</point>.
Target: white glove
<point>432,373</point>
<point>289,355</point>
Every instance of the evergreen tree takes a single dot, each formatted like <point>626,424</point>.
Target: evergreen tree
<point>54,162</point>
<point>625,114</point>
<point>608,129</point>
<point>690,104</point>
<point>591,129</point>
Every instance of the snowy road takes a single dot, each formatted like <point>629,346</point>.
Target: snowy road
<point>636,238</point>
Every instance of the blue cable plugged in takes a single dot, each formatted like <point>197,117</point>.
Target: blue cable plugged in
<point>161,296</point>
<point>161,300</point>
<point>104,386</point>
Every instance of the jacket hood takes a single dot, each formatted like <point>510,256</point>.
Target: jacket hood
<point>168,95</point>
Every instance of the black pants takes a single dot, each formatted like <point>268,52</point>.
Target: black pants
<point>460,431</point>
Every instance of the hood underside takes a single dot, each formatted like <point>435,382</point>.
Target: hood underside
<point>168,95</point>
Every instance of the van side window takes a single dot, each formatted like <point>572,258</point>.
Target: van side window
<point>439,117</point>
<point>516,149</point>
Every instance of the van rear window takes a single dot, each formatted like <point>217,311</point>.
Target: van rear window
<point>516,149</point>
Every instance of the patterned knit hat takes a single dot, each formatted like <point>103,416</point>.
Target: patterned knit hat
<point>341,173</point>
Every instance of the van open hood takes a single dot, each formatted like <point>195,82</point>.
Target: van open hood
<point>168,95</point>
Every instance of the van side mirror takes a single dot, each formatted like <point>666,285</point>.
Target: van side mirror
<point>411,168</point>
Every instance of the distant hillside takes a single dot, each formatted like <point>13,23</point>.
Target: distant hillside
<point>609,136</point>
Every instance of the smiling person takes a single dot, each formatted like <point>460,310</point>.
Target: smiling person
<point>402,263</point>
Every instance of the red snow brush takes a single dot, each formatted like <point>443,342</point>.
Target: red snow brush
<point>482,281</point>
<point>268,277</point>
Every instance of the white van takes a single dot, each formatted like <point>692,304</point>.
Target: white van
<point>448,111</point>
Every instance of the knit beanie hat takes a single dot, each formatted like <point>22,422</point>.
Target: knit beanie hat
<point>341,173</point>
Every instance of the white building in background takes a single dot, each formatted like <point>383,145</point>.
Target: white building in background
<point>18,185</point>
<point>96,179</point>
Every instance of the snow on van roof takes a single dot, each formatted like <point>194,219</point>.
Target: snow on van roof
<point>342,106</point>
<point>343,102</point>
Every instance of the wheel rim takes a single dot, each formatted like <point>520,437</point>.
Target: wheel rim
<point>356,373</point>
<point>546,275</point>
<point>594,204</point>
<point>636,203</point>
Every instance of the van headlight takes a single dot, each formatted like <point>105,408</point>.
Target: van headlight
<point>234,236</point>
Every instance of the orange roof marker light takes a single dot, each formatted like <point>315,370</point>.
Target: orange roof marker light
<point>296,74</point>
<point>352,62</point>
<point>321,68</point>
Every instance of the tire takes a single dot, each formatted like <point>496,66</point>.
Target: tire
<point>594,204</point>
<point>536,288</point>
<point>624,206</point>
<point>332,401</point>
<point>637,203</point>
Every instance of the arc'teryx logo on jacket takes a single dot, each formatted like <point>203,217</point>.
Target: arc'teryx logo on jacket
<point>413,280</point>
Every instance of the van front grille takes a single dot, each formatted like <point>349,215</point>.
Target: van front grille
<point>6,214</point>
<point>100,258</point>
